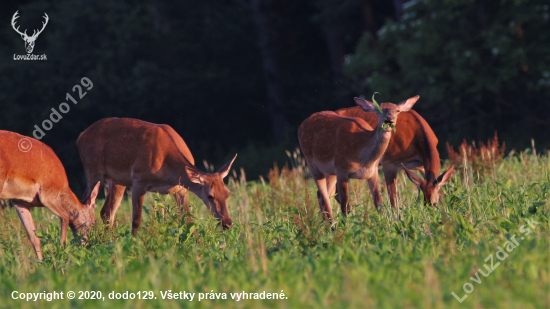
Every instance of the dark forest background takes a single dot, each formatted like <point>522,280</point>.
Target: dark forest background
<point>239,76</point>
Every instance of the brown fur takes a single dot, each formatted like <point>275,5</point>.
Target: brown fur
<point>125,152</point>
<point>339,148</point>
<point>36,178</point>
<point>414,144</point>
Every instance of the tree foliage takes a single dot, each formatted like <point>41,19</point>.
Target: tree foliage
<point>478,66</point>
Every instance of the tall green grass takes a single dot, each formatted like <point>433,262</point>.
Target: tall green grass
<point>411,256</point>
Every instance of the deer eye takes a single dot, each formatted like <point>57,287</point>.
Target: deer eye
<point>210,197</point>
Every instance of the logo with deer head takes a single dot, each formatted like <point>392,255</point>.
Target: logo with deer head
<point>29,40</point>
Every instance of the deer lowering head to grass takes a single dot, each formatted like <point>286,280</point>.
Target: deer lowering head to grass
<point>124,152</point>
<point>31,175</point>
<point>339,148</point>
<point>413,146</point>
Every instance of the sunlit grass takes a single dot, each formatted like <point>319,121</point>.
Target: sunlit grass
<point>411,256</point>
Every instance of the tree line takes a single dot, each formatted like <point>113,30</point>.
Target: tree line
<point>241,75</point>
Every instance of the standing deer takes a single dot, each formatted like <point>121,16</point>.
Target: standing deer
<point>31,175</point>
<point>413,146</point>
<point>124,152</point>
<point>29,40</point>
<point>339,148</point>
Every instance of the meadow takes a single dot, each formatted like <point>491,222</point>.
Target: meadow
<point>411,256</point>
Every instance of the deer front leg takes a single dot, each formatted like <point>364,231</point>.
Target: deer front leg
<point>182,200</point>
<point>342,186</point>
<point>390,175</point>
<point>138,195</point>
<point>374,190</point>
<point>64,226</point>
<point>26,218</point>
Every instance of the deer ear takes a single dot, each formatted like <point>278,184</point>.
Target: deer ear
<point>90,201</point>
<point>444,178</point>
<point>225,169</point>
<point>412,176</point>
<point>406,106</point>
<point>194,175</point>
<point>365,105</point>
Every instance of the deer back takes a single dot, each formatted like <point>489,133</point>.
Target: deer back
<point>327,136</point>
<point>119,147</point>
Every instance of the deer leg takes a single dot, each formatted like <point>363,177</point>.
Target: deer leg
<point>342,186</point>
<point>26,218</point>
<point>374,190</point>
<point>138,195</point>
<point>331,187</point>
<point>390,175</point>
<point>324,200</point>
<point>64,226</point>
<point>105,211</point>
<point>112,203</point>
<point>182,199</point>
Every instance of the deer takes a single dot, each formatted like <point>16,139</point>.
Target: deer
<point>29,40</point>
<point>339,148</point>
<point>413,146</point>
<point>125,152</point>
<point>31,175</point>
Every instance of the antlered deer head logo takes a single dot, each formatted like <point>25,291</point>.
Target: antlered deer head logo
<point>29,40</point>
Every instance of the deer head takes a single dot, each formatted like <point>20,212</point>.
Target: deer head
<point>387,112</point>
<point>430,188</point>
<point>212,191</point>
<point>29,40</point>
<point>81,219</point>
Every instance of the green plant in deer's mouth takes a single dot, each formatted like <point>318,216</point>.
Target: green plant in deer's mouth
<point>379,109</point>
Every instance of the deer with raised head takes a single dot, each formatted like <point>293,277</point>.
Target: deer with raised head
<point>31,175</point>
<point>339,148</point>
<point>413,146</point>
<point>29,40</point>
<point>124,152</point>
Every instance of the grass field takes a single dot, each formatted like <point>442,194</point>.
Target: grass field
<point>411,256</point>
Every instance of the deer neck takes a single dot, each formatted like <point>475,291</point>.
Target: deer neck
<point>376,146</point>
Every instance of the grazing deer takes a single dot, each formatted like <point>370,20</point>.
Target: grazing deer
<point>124,152</point>
<point>31,175</point>
<point>29,40</point>
<point>339,148</point>
<point>412,146</point>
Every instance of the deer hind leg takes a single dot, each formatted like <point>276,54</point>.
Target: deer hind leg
<point>324,200</point>
<point>331,187</point>
<point>374,190</point>
<point>390,175</point>
<point>138,195</point>
<point>26,218</point>
<point>342,186</point>
<point>112,202</point>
